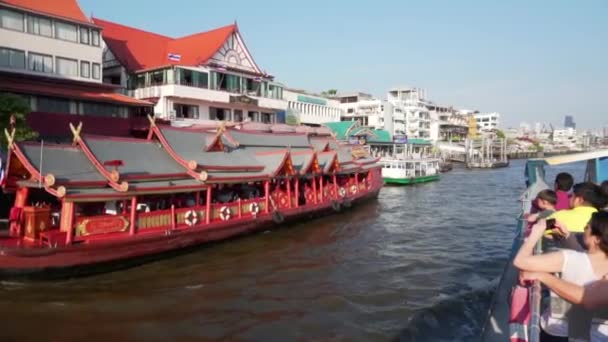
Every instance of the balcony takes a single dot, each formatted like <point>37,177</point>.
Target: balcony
<point>202,94</point>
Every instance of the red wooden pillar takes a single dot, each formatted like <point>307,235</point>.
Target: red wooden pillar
<point>67,221</point>
<point>132,228</point>
<point>290,200</point>
<point>314,189</point>
<point>197,199</point>
<point>267,194</point>
<point>21,195</point>
<point>297,192</point>
<point>240,209</point>
<point>208,205</point>
<point>321,188</point>
<point>173,216</point>
<point>124,207</point>
<point>357,181</point>
<point>335,178</point>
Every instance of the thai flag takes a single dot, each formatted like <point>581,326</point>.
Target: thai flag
<point>174,57</point>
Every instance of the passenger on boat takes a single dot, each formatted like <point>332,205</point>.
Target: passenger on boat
<point>587,198</point>
<point>563,184</point>
<point>604,187</point>
<point>592,296</point>
<point>579,268</point>
<point>545,201</point>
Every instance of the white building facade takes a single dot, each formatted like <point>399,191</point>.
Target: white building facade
<point>195,81</point>
<point>366,109</point>
<point>310,109</point>
<point>410,108</point>
<point>41,44</point>
<point>487,122</point>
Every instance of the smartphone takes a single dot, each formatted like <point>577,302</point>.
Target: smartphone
<point>550,224</point>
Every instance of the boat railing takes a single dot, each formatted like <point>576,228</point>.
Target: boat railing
<point>535,300</point>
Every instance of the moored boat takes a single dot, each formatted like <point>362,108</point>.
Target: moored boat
<point>409,171</point>
<point>103,200</point>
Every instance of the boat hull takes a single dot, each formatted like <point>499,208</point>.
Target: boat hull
<point>85,258</point>
<point>412,180</point>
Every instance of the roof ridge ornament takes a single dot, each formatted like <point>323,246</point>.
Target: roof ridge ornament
<point>76,132</point>
<point>10,137</point>
<point>152,121</point>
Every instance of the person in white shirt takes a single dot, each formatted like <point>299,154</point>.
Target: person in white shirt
<point>579,268</point>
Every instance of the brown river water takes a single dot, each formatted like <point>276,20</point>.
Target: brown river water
<point>419,264</point>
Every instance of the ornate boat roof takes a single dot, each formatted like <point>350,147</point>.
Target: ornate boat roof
<point>172,160</point>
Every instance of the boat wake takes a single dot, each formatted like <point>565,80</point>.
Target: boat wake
<point>456,318</point>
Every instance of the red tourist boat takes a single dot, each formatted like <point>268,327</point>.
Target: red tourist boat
<point>103,200</point>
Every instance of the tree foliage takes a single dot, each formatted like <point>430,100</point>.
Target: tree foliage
<point>330,92</point>
<point>16,107</point>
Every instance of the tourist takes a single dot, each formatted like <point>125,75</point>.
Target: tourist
<point>586,199</point>
<point>563,184</point>
<point>545,202</point>
<point>579,268</point>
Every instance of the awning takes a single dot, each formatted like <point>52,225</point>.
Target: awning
<point>66,89</point>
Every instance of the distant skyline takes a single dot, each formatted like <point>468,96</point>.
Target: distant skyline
<point>531,61</point>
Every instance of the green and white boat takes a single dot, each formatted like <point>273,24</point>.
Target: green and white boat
<point>409,171</point>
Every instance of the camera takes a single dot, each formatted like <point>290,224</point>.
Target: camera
<point>550,224</point>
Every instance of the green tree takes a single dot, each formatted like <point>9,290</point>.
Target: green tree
<point>500,134</point>
<point>330,92</point>
<point>12,106</point>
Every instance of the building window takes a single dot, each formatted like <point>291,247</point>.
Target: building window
<point>40,63</point>
<point>66,31</point>
<point>40,26</point>
<point>95,37</point>
<point>52,105</point>
<point>84,35</point>
<point>11,20</point>
<point>85,69</point>
<point>10,58</point>
<point>266,118</point>
<point>66,67</point>
<point>101,109</point>
<point>184,111</point>
<point>96,71</point>
<point>157,77</point>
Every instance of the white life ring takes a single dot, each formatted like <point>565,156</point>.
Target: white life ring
<point>342,192</point>
<point>254,208</point>
<point>353,189</point>
<point>190,218</point>
<point>225,213</point>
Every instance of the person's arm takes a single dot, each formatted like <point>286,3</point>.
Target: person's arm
<point>569,239</point>
<point>596,294</point>
<point>565,289</point>
<point>592,296</point>
<point>525,259</point>
<point>532,217</point>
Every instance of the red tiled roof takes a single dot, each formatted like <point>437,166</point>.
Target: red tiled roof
<point>72,90</point>
<point>67,9</point>
<point>137,49</point>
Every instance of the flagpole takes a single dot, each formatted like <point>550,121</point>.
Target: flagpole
<point>41,149</point>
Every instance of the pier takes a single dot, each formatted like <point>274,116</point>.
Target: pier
<point>486,153</point>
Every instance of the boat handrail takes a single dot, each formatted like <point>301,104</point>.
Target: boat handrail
<point>535,299</point>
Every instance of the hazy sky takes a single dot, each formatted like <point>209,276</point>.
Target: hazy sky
<point>529,60</point>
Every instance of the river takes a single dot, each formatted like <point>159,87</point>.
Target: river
<point>420,264</point>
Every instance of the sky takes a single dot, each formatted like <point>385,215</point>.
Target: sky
<point>532,61</point>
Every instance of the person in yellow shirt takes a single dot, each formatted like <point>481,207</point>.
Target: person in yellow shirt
<point>587,198</point>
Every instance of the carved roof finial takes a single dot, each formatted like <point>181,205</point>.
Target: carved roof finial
<point>152,121</point>
<point>10,137</point>
<point>76,132</point>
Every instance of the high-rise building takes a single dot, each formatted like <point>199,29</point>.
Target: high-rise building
<point>569,122</point>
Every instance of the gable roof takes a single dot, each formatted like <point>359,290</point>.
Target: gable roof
<point>67,9</point>
<point>138,49</point>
